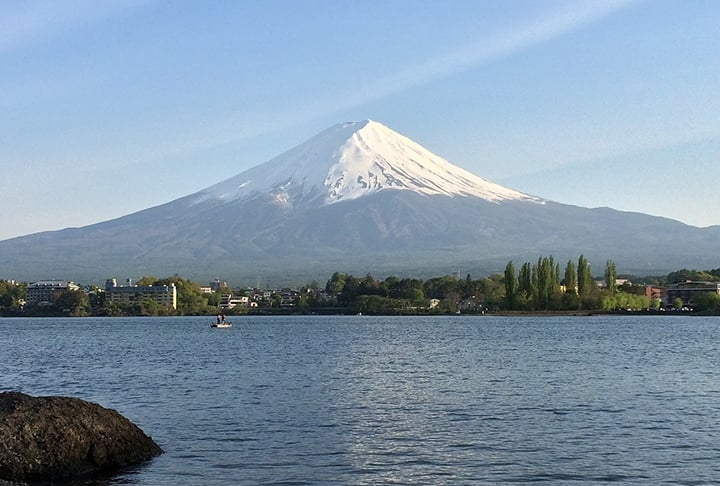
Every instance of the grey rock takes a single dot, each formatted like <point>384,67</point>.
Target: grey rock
<point>56,438</point>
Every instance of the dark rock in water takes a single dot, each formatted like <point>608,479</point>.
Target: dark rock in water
<point>55,438</point>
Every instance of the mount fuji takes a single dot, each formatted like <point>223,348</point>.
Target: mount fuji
<point>358,198</point>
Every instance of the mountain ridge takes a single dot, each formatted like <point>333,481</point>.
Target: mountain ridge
<point>281,220</point>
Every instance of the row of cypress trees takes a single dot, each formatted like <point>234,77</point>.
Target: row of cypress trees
<point>538,286</point>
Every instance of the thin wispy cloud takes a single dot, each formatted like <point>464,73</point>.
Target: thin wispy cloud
<point>493,47</point>
<point>572,16</point>
<point>38,21</point>
<point>23,24</point>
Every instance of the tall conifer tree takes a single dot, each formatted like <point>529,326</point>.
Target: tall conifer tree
<point>584,280</point>
<point>610,276</point>
<point>570,278</point>
<point>525,281</point>
<point>511,286</point>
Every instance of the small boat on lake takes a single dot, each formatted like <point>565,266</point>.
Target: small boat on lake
<point>221,324</point>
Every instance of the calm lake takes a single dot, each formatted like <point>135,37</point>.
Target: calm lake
<point>392,400</point>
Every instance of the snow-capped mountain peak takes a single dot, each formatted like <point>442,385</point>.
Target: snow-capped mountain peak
<point>353,160</point>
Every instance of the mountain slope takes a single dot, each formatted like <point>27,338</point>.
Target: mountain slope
<point>357,198</point>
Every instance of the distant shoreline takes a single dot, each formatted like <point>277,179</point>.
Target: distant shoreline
<point>588,313</point>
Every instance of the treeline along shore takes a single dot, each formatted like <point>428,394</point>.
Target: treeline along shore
<point>529,287</point>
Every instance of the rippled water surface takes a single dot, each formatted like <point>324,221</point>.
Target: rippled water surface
<point>366,400</point>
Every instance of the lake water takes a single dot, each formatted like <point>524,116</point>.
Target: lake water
<point>388,400</point>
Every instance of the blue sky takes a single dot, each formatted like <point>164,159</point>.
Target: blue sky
<point>111,107</point>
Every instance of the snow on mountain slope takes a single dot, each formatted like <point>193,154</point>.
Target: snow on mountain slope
<point>353,160</point>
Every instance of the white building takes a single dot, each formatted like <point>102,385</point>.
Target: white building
<point>43,292</point>
<point>227,301</point>
<point>163,295</point>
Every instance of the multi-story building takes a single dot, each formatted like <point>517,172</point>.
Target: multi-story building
<point>217,284</point>
<point>163,295</point>
<point>653,292</point>
<point>688,290</point>
<point>43,292</point>
<point>227,301</point>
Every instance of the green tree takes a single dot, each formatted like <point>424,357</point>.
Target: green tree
<point>376,304</point>
<point>546,284</point>
<point>446,289</point>
<point>11,296</point>
<point>570,279</point>
<point>610,276</point>
<point>112,309</point>
<point>369,286</point>
<point>149,307</point>
<point>570,300</point>
<point>584,279</point>
<point>526,286</point>
<point>493,289</point>
<point>441,287</point>
<point>511,286</point>
<point>697,275</point>
<point>213,299</point>
<point>335,285</point>
<point>147,281</point>
<point>706,301</point>
<point>623,301</point>
<point>72,302</point>
<point>468,287</point>
<point>350,290</point>
<point>410,289</point>
<point>391,286</point>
